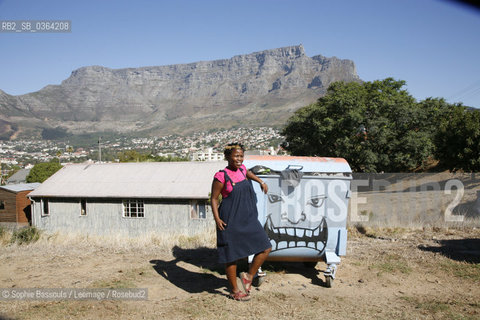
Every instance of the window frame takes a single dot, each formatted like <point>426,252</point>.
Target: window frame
<point>44,204</point>
<point>139,208</point>
<point>83,207</point>
<point>3,204</point>
<point>196,212</point>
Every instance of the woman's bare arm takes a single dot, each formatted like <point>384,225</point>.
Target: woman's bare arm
<point>217,187</point>
<point>252,176</point>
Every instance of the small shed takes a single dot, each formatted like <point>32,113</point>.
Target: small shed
<point>131,199</point>
<point>15,205</point>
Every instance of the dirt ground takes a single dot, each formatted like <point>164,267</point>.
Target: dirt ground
<point>387,273</point>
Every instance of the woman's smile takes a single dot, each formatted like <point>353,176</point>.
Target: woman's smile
<point>236,159</point>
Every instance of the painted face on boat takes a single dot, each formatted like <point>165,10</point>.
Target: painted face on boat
<point>296,215</point>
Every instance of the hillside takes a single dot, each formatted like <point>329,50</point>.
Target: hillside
<point>257,89</point>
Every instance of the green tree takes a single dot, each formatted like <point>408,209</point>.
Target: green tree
<point>376,126</point>
<point>458,139</point>
<point>133,156</point>
<point>42,171</point>
<point>130,156</point>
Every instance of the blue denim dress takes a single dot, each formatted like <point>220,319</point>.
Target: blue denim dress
<point>243,235</point>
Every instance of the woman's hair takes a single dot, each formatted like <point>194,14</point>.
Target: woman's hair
<point>232,146</point>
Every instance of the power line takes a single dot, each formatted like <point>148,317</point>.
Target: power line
<point>469,91</point>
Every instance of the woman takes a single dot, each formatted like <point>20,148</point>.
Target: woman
<point>239,233</point>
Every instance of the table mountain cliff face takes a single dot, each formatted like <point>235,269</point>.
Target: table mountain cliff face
<point>257,89</point>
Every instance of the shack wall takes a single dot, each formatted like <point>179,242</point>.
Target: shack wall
<point>15,208</point>
<point>8,213</point>
<point>105,217</point>
<point>23,207</point>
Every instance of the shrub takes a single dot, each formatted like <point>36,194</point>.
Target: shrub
<point>26,235</point>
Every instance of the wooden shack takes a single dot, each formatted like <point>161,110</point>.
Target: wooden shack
<point>15,210</point>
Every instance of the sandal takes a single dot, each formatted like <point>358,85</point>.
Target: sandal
<point>247,284</point>
<point>239,296</point>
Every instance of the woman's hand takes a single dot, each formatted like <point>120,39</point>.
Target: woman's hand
<point>264,187</point>
<point>252,176</point>
<point>220,224</point>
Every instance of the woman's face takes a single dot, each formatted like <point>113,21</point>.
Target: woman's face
<point>236,158</point>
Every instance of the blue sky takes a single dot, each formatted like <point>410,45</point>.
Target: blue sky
<point>433,45</point>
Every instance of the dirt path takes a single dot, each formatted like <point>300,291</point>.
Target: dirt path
<point>398,274</point>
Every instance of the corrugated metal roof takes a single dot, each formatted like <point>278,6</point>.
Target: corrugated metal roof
<point>184,180</point>
<point>308,164</point>
<point>19,177</point>
<point>21,187</point>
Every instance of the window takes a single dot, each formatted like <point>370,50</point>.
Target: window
<point>198,210</point>
<point>2,204</point>
<point>83,207</point>
<point>133,209</point>
<point>45,208</point>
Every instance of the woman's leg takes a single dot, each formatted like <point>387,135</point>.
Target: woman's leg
<point>231,271</point>
<point>257,262</point>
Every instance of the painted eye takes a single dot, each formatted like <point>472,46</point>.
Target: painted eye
<point>316,201</point>
<point>272,198</point>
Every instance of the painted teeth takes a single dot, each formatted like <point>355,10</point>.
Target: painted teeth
<point>295,232</point>
<point>298,232</point>
<point>295,244</point>
<point>291,237</point>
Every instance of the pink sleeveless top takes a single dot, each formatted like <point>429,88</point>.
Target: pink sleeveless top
<point>235,176</point>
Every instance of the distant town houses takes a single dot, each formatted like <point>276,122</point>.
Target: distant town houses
<point>208,155</point>
<point>200,146</point>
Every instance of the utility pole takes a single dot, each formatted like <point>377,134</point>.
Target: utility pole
<point>99,150</point>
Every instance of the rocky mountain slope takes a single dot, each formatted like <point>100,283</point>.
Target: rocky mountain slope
<point>261,88</point>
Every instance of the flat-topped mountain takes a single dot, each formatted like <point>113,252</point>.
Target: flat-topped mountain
<point>257,89</point>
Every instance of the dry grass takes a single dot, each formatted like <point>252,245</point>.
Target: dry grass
<point>59,243</point>
<point>388,273</point>
<point>461,269</point>
<point>391,263</point>
<point>393,233</point>
<point>5,236</point>
<point>360,230</point>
